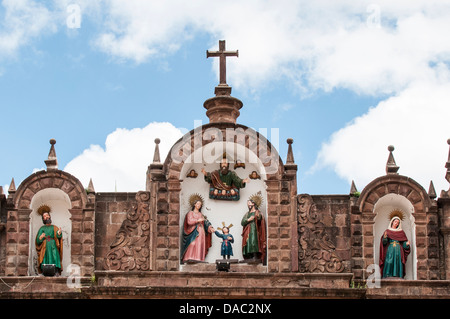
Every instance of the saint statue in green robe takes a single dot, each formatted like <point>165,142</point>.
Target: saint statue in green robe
<point>394,250</point>
<point>49,243</point>
<point>224,183</point>
<point>253,234</point>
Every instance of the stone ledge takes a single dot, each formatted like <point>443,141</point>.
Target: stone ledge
<point>410,289</point>
<point>221,292</point>
<point>25,285</point>
<point>220,279</point>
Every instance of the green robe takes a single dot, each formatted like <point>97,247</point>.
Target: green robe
<point>393,266</point>
<point>53,249</point>
<point>252,243</point>
<point>230,179</point>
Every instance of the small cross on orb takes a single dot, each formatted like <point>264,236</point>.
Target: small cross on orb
<point>222,54</point>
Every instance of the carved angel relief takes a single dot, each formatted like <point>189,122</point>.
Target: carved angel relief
<point>316,250</point>
<point>130,250</point>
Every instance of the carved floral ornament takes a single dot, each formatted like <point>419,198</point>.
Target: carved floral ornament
<point>130,249</point>
<point>316,250</point>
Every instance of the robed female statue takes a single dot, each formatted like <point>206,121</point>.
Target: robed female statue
<point>197,231</point>
<point>394,249</point>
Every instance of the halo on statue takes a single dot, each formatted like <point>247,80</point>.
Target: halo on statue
<point>223,223</point>
<point>397,213</point>
<point>194,198</point>
<point>257,199</point>
<point>44,209</point>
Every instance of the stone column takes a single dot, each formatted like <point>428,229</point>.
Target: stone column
<point>444,205</point>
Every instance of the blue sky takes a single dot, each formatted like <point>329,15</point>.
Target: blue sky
<point>344,81</point>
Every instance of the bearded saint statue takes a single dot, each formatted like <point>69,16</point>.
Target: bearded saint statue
<point>224,184</point>
<point>49,242</point>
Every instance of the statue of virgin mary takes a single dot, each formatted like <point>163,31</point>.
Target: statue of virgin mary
<point>394,248</point>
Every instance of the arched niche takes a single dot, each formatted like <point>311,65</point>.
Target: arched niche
<point>60,204</point>
<point>218,211</point>
<point>187,153</point>
<point>382,209</point>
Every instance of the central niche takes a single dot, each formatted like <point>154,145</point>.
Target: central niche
<point>245,164</point>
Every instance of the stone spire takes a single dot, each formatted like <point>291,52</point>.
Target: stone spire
<point>156,156</point>
<point>223,107</point>
<point>290,154</point>
<point>354,194</point>
<point>290,167</point>
<point>353,189</point>
<point>155,169</point>
<point>52,161</point>
<point>12,188</point>
<point>432,191</point>
<point>391,166</point>
<point>90,189</point>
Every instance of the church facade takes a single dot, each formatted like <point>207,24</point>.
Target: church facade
<point>310,246</point>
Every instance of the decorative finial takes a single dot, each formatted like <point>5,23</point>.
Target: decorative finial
<point>432,191</point>
<point>90,189</point>
<point>391,166</point>
<point>290,154</point>
<point>52,161</point>
<point>12,188</point>
<point>156,157</point>
<point>353,189</point>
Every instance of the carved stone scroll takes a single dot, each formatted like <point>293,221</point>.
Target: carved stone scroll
<point>130,250</point>
<point>316,249</point>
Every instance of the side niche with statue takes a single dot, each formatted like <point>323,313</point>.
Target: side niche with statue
<point>394,248</point>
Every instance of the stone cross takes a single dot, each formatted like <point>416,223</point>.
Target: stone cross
<point>222,54</point>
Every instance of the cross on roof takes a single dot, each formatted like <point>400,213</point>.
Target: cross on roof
<point>222,54</point>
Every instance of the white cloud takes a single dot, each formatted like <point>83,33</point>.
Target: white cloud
<point>395,49</point>
<point>316,45</point>
<point>415,121</point>
<point>392,49</point>
<point>23,21</point>
<point>124,160</point>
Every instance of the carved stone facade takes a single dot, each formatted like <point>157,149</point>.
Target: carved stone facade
<point>130,249</point>
<point>317,245</point>
<point>314,241</point>
<point>323,229</point>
